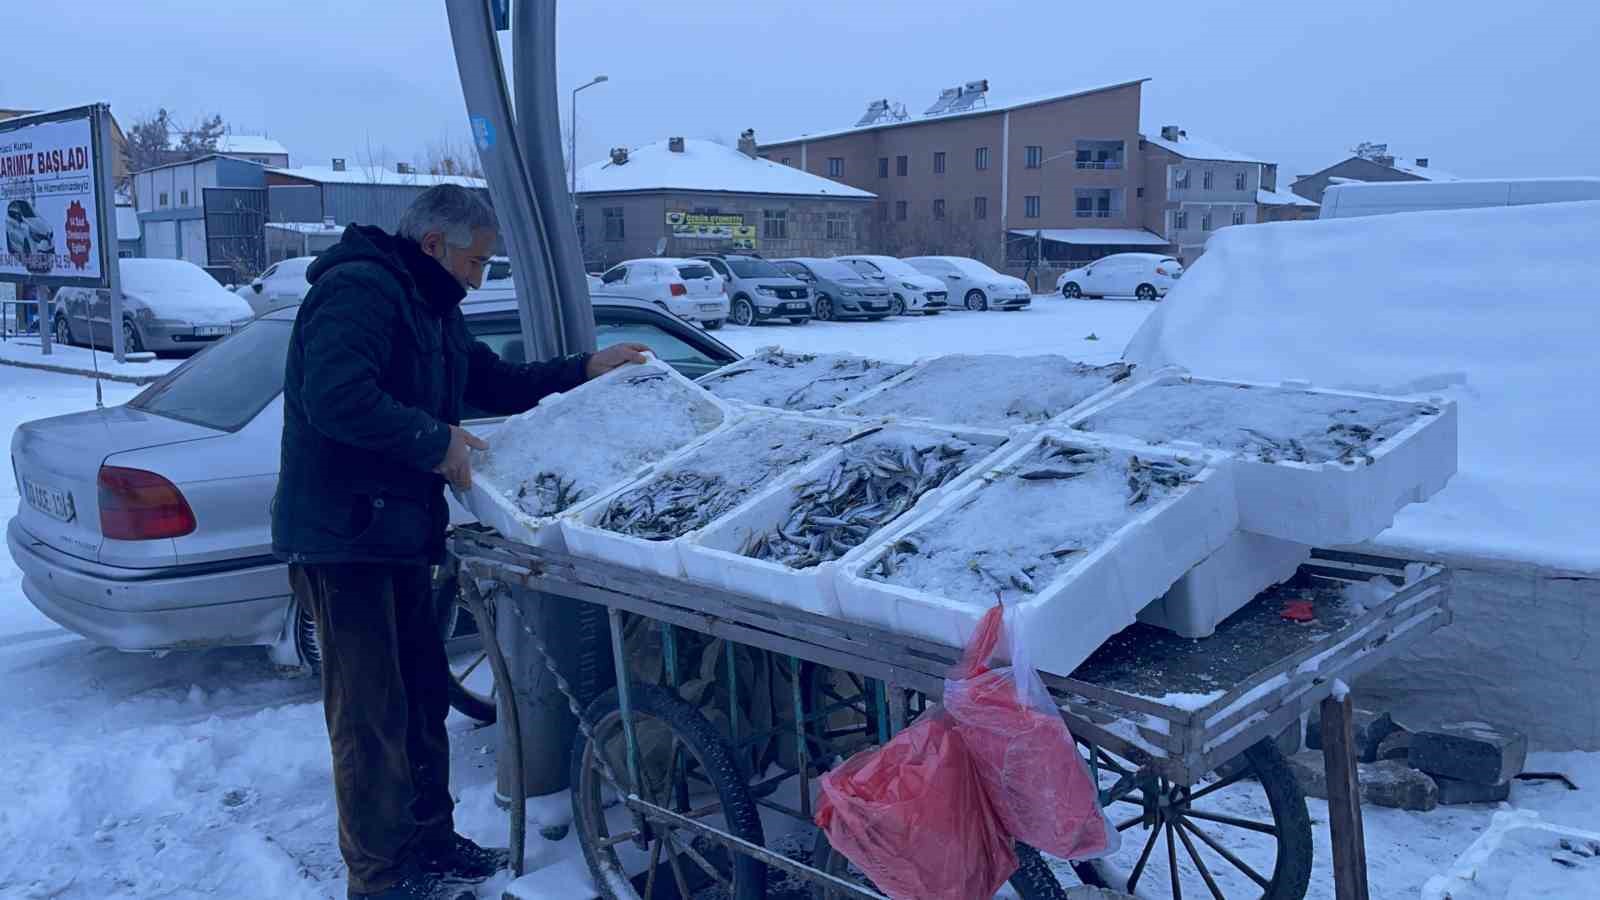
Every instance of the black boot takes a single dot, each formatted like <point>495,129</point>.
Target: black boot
<point>459,860</point>
<point>419,886</point>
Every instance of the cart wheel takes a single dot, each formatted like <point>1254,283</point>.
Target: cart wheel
<point>1243,835</point>
<point>685,766</point>
<point>1033,879</point>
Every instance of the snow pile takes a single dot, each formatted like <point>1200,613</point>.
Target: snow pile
<point>799,381</point>
<point>989,391</point>
<point>1494,308</point>
<point>575,445</point>
<point>1522,858</point>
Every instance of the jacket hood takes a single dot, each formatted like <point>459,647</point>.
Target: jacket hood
<point>415,269</point>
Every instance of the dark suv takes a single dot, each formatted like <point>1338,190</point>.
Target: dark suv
<point>759,291</point>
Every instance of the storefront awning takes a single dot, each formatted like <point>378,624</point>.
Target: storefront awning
<point>1103,237</point>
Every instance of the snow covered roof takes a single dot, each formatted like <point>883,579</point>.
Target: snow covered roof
<point>359,174</point>
<point>1194,148</point>
<point>127,223</point>
<point>1427,173</point>
<point>256,144</point>
<point>313,228</point>
<point>1282,198</point>
<point>991,107</point>
<point>1108,237</point>
<point>706,166</point>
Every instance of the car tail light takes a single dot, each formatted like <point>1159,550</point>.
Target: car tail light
<point>1161,270</point>
<point>677,289</point>
<point>136,505</point>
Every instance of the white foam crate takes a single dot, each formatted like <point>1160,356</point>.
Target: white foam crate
<point>853,408</point>
<point>1087,602</point>
<point>753,361</point>
<point>712,556</point>
<point>584,538</point>
<point>1225,581</point>
<point>1327,503</point>
<point>493,507</point>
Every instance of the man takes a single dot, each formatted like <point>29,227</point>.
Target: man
<point>380,364</point>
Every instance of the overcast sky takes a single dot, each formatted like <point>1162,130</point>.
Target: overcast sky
<point>1482,88</point>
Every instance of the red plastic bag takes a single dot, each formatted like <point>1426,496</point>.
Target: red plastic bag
<point>913,817</point>
<point>1038,784</point>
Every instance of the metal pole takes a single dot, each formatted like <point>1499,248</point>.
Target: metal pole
<point>106,200</point>
<point>45,306</point>
<point>572,134</point>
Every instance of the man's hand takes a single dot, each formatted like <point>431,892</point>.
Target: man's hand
<point>457,465</point>
<point>614,356</point>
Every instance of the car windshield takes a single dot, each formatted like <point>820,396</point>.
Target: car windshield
<point>22,209</point>
<point>498,269</point>
<point>896,268</point>
<point>227,384</point>
<point>750,267</point>
<point>696,270</point>
<point>832,270</point>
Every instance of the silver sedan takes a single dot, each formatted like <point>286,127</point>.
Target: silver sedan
<point>145,526</point>
<point>168,305</point>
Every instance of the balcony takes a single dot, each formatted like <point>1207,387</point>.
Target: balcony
<point>1097,203</point>
<point>1099,154</point>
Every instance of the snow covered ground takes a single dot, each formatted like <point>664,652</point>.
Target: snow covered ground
<point>206,774</point>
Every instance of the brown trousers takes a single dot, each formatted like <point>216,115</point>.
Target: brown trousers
<point>385,695</point>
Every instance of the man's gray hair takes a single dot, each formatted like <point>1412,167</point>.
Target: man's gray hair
<point>448,209</point>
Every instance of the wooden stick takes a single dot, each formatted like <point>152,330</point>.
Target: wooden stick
<point>1344,799</point>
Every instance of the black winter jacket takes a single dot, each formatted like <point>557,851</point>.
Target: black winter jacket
<point>379,365</point>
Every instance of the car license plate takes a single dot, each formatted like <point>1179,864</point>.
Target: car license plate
<point>211,330</point>
<point>54,503</point>
<point>710,307</point>
<point>796,307</point>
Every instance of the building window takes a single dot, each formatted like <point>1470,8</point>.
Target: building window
<point>183,199</point>
<point>577,217</point>
<point>938,207</point>
<point>981,158</point>
<point>838,226</point>
<point>787,160</point>
<point>1205,221</point>
<point>1138,192</point>
<point>1097,203</point>
<point>162,202</point>
<point>1099,154</point>
<point>1238,216</point>
<point>902,165</point>
<point>835,167</point>
<point>1180,220</point>
<point>1180,179</point>
<point>1207,180</point>
<point>1034,157</point>
<point>707,211</point>
<point>1030,206</point>
<point>1238,181</point>
<point>883,210</point>
<point>775,224</point>
<point>899,210</point>
<point>938,162</point>
<point>613,218</point>
<point>980,207</point>
<point>883,167</point>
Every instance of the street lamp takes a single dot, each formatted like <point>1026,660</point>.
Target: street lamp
<point>573,150</point>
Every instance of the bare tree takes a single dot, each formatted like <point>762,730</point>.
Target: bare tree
<point>201,137</point>
<point>147,141</point>
<point>452,155</point>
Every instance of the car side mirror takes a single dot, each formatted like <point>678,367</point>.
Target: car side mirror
<point>256,286</point>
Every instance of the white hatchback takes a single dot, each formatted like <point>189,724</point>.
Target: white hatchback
<point>687,288</point>
<point>1146,276</point>
<point>974,285</point>
<point>282,284</point>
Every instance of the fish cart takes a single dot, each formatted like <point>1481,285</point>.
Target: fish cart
<point>673,798</point>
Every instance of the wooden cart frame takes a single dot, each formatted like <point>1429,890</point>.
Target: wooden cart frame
<point>1149,752</point>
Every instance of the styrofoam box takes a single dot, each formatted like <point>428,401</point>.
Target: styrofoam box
<point>492,506</point>
<point>1087,602</point>
<point>752,363</point>
<point>712,556</point>
<point>1329,503</point>
<point>852,407</point>
<point>1225,581</point>
<point>584,538</point>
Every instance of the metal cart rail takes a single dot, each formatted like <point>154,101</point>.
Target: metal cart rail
<point>1130,706</point>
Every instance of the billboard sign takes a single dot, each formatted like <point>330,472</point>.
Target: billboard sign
<point>709,227</point>
<point>51,193</point>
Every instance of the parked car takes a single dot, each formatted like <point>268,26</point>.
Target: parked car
<point>282,284</point>
<point>912,290</point>
<point>687,288</point>
<point>838,291</point>
<point>595,282</point>
<point>29,236</point>
<point>167,305</point>
<point>978,286</point>
<point>1147,276</point>
<point>499,269</point>
<point>145,526</point>
<point>759,291</point>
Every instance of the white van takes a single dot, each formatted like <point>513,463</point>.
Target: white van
<point>1376,198</point>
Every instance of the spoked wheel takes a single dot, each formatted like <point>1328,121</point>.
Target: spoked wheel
<point>130,337</point>
<point>1071,291</point>
<point>1243,835</point>
<point>824,308</point>
<point>457,625</point>
<point>685,766</point>
<point>897,306</point>
<point>1033,879</point>
<point>744,314</point>
<point>1145,292</point>
<point>976,301</point>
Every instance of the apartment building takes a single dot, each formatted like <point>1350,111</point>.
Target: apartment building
<point>1370,162</point>
<point>996,181</point>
